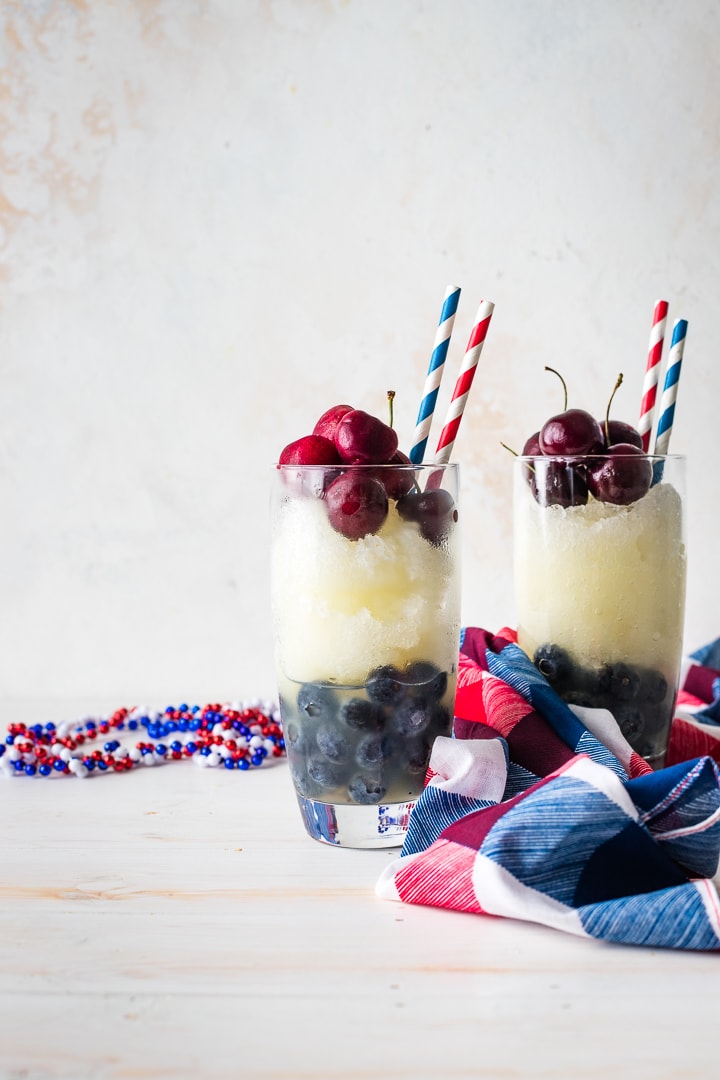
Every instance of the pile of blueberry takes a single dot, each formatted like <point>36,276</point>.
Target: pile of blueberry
<point>365,744</point>
<point>578,456</point>
<point>638,697</point>
<point>357,500</point>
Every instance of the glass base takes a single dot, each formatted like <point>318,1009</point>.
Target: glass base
<point>380,826</point>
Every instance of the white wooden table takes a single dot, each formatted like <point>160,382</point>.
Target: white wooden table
<point>177,922</point>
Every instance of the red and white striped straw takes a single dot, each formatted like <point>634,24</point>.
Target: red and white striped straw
<point>463,383</point>
<point>652,373</point>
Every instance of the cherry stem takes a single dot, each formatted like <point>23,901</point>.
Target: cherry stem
<point>509,449</point>
<point>562,381</point>
<point>391,397</point>
<point>618,384</point>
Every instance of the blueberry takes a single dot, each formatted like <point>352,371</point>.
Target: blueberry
<point>552,662</point>
<point>621,681</point>
<point>366,790</point>
<point>440,720</point>
<point>425,679</point>
<point>385,686</point>
<point>372,751</point>
<point>293,736</point>
<point>654,687</point>
<point>332,744</point>
<point>322,773</point>
<point>316,702</point>
<point>362,715</point>
<point>410,718</point>
<point>630,722</point>
<point>416,756</point>
<point>300,780</point>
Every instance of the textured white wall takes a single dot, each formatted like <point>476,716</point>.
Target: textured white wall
<point>221,217</point>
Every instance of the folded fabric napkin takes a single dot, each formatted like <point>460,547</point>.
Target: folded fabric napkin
<point>540,811</point>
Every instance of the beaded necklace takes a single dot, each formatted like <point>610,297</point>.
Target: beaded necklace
<point>236,736</point>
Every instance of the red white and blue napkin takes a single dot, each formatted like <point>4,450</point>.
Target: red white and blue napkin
<point>542,812</point>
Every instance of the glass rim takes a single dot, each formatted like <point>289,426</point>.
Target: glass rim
<point>573,459</point>
<point>395,466</point>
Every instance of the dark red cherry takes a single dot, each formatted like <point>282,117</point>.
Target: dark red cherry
<point>621,476</point>
<point>434,511</point>
<point>558,483</point>
<point>397,482</point>
<point>328,422</point>
<point>310,450</point>
<point>362,439</point>
<point>356,504</point>
<point>571,433</point>
<point>617,431</point>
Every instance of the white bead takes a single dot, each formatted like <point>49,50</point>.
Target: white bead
<point>82,772</point>
<point>201,760</point>
<point>6,765</point>
<point>159,759</point>
<point>242,742</point>
<point>65,754</point>
<point>255,729</point>
<point>11,754</point>
<point>224,751</point>
<point>30,758</point>
<point>74,764</point>
<point>19,739</point>
<point>269,745</point>
<point>256,742</point>
<point>56,748</point>
<point>213,759</point>
<point>148,759</point>
<point>218,729</point>
<point>135,754</point>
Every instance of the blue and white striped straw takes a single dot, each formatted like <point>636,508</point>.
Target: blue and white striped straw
<point>435,374</point>
<point>670,388</point>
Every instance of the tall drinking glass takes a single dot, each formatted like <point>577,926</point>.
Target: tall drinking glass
<point>600,590</point>
<point>366,635</point>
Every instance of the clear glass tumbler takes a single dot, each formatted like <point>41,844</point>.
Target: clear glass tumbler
<point>600,585</point>
<point>366,620</point>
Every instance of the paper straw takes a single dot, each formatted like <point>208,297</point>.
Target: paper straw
<point>652,372</point>
<point>435,374</point>
<point>464,382</point>
<point>670,388</point>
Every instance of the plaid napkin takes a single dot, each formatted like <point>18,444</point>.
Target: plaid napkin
<point>542,812</point>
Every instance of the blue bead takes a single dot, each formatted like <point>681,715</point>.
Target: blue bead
<point>280,743</point>
<point>110,746</point>
<point>229,763</point>
<point>146,750</point>
<point>176,745</point>
<point>194,725</point>
<point>170,709</point>
<point>2,750</point>
<point>50,727</point>
<point>257,759</point>
<point>18,766</point>
<point>183,725</point>
<point>170,726</point>
<point>153,731</point>
<point>9,739</point>
<point>59,765</point>
<point>160,749</point>
<point>184,708</point>
<point>37,728</point>
<point>205,751</point>
<point>195,709</point>
<point>45,770</point>
<point>102,765</point>
<point>243,764</point>
<point>133,724</point>
<point>89,763</point>
<point>191,747</point>
<point>121,725</point>
<point>90,724</point>
<point>30,770</point>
